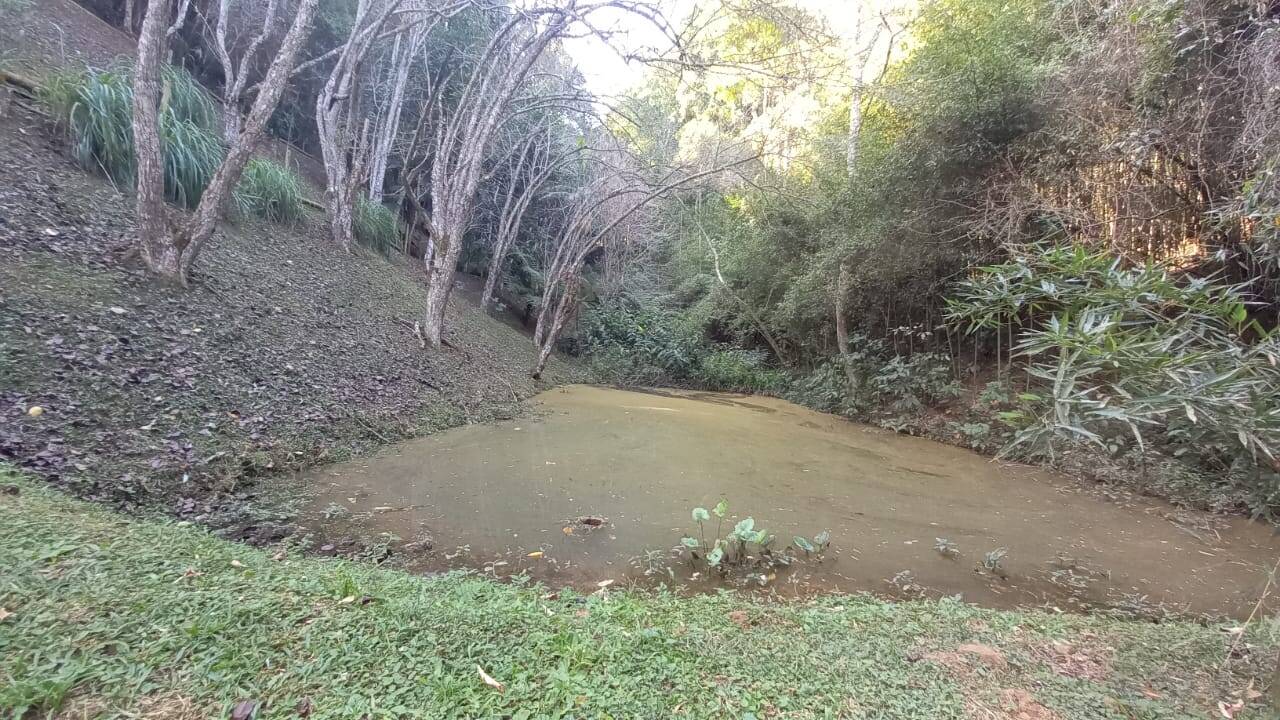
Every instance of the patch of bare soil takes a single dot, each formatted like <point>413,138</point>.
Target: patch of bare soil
<point>285,352</point>
<point>168,706</point>
<point>967,659</point>
<point>1084,659</point>
<point>976,667</point>
<point>1018,704</point>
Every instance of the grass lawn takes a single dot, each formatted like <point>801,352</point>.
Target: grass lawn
<point>107,616</point>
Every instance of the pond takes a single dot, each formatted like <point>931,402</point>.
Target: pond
<point>598,484</point>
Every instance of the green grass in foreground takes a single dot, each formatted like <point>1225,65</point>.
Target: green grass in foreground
<point>114,617</point>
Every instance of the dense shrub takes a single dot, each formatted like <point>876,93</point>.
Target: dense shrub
<point>269,190</point>
<point>95,108</point>
<point>1136,359</point>
<point>635,344</point>
<point>874,380</point>
<point>739,370</point>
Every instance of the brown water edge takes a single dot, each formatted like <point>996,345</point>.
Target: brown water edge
<point>487,496</point>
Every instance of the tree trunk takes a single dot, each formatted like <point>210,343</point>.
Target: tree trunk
<point>342,221</point>
<point>201,226</point>
<point>402,59</point>
<point>490,283</point>
<point>127,22</point>
<point>842,328</point>
<point>552,334</point>
<point>230,121</point>
<point>157,249</point>
<point>855,132</point>
<point>442,258</point>
<point>495,271</point>
<point>171,253</point>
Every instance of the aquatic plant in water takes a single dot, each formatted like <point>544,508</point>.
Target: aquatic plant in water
<point>946,548</point>
<point>993,562</point>
<point>744,546</point>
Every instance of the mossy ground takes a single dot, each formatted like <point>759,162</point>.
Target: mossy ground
<point>106,616</point>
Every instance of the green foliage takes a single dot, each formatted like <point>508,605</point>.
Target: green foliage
<point>818,546</point>
<point>1135,357</point>
<point>95,109</point>
<point>641,344</point>
<point>376,226</point>
<point>872,378</point>
<point>745,548</point>
<point>191,156</point>
<point>739,370</point>
<point>270,191</point>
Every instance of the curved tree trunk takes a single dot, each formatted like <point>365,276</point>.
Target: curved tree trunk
<point>551,334</point>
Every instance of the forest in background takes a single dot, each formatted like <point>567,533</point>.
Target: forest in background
<point>1055,219</point>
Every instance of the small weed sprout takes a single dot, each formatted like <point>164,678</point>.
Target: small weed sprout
<point>946,548</point>
<point>906,584</point>
<point>993,562</point>
<point>816,547</point>
<point>1074,575</point>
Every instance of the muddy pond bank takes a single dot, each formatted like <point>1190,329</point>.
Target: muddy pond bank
<point>522,497</point>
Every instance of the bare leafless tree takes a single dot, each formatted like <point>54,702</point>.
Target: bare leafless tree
<point>343,133</point>
<point>406,50</point>
<point>457,137</point>
<point>530,168</point>
<point>240,31</point>
<point>170,249</point>
<point>350,141</point>
<point>597,217</point>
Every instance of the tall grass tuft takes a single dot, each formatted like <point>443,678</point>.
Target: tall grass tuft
<point>269,190</point>
<point>191,156</point>
<point>96,110</point>
<point>376,226</point>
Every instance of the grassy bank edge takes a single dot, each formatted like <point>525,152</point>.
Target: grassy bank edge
<point>104,616</point>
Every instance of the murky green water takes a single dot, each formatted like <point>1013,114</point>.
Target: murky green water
<point>488,496</point>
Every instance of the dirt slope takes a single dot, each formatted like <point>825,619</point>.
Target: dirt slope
<point>39,36</point>
<point>285,352</point>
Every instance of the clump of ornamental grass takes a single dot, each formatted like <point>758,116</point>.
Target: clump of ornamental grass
<point>376,225</point>
<point>270,191</point>
<point>95,109</point>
